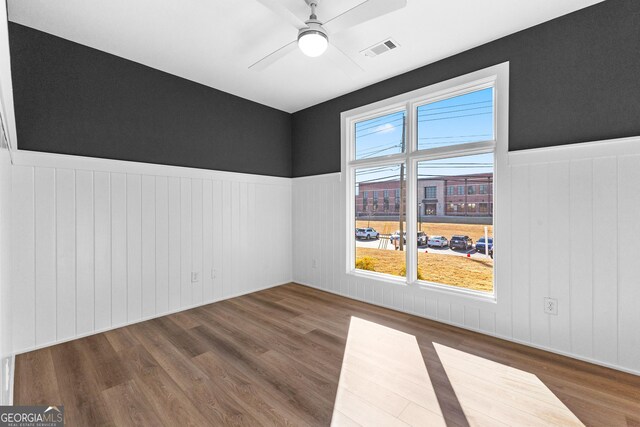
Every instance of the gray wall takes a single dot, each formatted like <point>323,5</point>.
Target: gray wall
<point>573,79</point>
<point>72,99</point>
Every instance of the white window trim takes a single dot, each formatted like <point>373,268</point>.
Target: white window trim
<point>497,77</point>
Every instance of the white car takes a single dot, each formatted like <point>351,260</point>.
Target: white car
<point>366,233</point>
<point>439,241</point>
<point>396,236</point>
<point>421,239</point>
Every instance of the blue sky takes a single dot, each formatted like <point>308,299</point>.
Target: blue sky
<point>459,120</point>
<point>462,119</point>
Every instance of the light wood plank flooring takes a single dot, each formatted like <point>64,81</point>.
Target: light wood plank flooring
<point>293,355</point>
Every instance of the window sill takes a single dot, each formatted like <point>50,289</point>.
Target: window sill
<point>455,291</point>
<point>381,277</point>
<point>427,286</point>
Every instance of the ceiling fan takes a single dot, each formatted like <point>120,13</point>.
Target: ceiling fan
<point>313,34</point>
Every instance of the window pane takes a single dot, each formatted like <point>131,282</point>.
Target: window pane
<point>459,120</point>
<point>456,222</point>
<point>380,136</point>
<point>381,249</point>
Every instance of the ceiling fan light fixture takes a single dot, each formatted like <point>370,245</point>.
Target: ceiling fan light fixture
<point>313,40</point>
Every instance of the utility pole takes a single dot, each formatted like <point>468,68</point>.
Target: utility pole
<point>401,211</point>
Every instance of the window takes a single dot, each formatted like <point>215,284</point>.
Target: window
<point>443,265</point>
<point>440,146</point>
<point>379,136</point>
<point>430,192</point>
<point>369,256</point>
<point>455,209</point>
<point>386,200</point>
<point>456,120</point>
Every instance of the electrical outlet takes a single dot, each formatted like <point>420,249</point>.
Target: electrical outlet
<point>551,306</point>
<point>314,264</point>
<point>214,273</point>
<point>195,276</point>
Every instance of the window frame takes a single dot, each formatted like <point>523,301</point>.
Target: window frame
<point>496,77</point>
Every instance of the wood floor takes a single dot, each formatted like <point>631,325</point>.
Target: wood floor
<point>293,355</point>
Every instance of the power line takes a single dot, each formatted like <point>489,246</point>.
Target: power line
<point>386,116</point>
<point>454,117</point>
<point>376,131</point>
<point>430,120</point>
<point>372,123</point>
<point>375,147</point>
<point>379,151</point>
<point>378,180</point>
<point>377,126</point>
<point>367,172</point>
<point>376,122</point>
<point>456,111</point>
<point>421,109</point>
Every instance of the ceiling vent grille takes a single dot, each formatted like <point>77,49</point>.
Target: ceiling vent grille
<point>380,48</point>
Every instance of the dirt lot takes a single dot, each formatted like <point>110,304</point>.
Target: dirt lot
<point>470,273</point>
<point>475,231</point>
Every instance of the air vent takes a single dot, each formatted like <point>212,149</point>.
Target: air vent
<point>380,48</point>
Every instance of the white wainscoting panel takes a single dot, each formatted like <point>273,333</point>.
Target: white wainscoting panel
<point>6,331</point>
<point>99,244</point>
<point>571,222</point>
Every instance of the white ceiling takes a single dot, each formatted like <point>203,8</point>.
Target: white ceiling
<point>214,41</point>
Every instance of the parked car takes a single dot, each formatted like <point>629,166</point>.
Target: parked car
<point>438,241</point>
<point>367,233</point>
<point>481,245</point>
<point>396,236</point>
<point>422,238</point>
<point>461,242</point>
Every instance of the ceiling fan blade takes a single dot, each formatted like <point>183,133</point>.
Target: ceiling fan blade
<point>274,56</point>
<point>279,9</point>
<point>362,13</point>
<point>343,61</point>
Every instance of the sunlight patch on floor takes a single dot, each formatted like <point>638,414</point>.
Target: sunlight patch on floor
<point>507,395</point>
<point>384,380</point>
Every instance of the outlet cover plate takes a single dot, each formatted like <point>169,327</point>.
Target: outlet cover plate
<point>551,306</point>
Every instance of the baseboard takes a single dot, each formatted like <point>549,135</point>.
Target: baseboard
<point>503,337</point>
<point>144,319</point>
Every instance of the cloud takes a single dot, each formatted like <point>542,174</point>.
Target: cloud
<point>387,127</point>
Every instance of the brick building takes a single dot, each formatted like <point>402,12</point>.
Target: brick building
<point>445,196</point>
